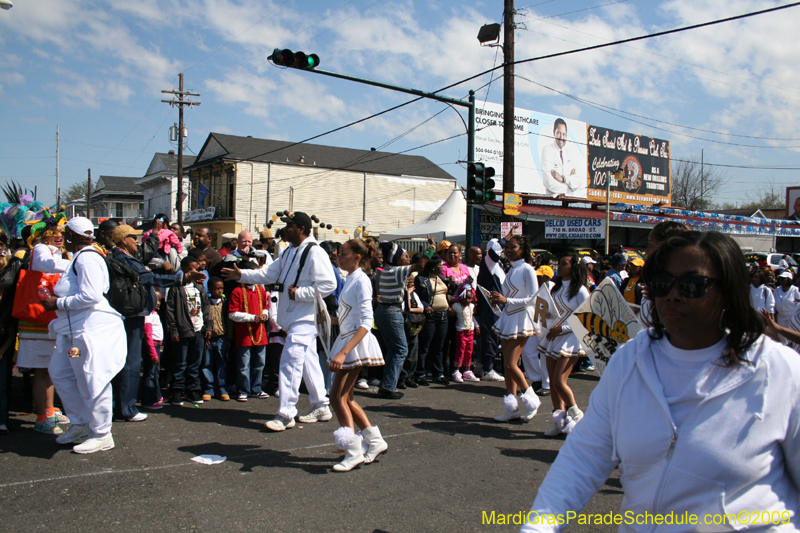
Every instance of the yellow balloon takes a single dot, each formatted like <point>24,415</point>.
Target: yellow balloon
<point>274,218</point>
<point>365,233</point>
<point>336,230</point>
<point>344,231</point>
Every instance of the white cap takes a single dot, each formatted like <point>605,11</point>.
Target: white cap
<point>785,274</point>
<point>587,259</point>
<point>81,226</point>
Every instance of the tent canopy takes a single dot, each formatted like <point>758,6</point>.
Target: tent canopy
<point>448,221</point>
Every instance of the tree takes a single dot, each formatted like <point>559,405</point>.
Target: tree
<point>76,191</point>
<point>771,196</point>
<point>693,184</point>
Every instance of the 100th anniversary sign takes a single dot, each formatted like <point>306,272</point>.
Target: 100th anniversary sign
<point>644,161</point>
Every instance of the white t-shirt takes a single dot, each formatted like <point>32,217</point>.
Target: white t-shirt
<point>195,306</point>
<point>464,315</point>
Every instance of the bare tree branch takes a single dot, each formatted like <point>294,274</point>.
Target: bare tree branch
<point>693,186</point>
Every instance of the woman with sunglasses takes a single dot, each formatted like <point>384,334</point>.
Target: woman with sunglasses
<point>35,345</point>
<point>561,347</point>
<point>514,326</point>
<point>701,413</point>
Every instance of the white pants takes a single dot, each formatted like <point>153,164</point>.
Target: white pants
<point>535,366</point>
<point>299,361</point>
<point>70,382</point>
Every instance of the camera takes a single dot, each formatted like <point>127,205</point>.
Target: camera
<point>275,287</point>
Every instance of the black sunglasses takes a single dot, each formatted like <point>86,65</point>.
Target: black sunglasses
<point>689,286</point>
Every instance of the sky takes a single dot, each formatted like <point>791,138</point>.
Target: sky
<point>96,71</point>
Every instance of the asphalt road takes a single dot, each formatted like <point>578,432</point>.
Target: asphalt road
<point>448,463</point>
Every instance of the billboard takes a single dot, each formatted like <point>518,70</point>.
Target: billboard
<point>645,162</point>
<point>792,203</point>
<point>556,156</point>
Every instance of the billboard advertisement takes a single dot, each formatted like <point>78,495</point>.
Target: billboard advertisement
<point>792,203</point>
<point>644,160</point>
<point>556,156</point>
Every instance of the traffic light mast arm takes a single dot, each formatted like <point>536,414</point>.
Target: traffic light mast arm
<point>469,104</point>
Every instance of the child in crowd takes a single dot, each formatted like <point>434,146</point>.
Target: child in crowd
<point>151,357</point>
<point>466,329</point>
<point>249,309</point>
<point>200,257</point>
<point>188,318</point>
<point>215,366</point>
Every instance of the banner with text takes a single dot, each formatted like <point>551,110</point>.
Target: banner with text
<point>644,160</point>
<point>575,228</point>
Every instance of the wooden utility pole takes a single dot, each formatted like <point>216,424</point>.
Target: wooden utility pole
<point>89,196</point>
<point>58,186</point>
<point>508,101</point>
<point>181,103</point>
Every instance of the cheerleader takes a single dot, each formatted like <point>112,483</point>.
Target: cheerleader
<point>355,347</point>
<point>514,326</point>
<point>560,346</point>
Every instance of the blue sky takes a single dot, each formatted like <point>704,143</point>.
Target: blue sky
<point>96,69</point>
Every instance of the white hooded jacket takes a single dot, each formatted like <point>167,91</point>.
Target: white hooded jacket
<point>737,450</point>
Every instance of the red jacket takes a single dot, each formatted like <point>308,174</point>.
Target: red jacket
<point>257,302</point>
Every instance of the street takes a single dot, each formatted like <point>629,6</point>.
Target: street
<point>448,463</point>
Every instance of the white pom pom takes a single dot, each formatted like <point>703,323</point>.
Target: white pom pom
<point>344,437</point>
<point>510,402</point>
<point>569,425</point>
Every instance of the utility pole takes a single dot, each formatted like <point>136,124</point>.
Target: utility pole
<point>702,154</point>
<point>508,102</point>
<point>181,103</point>
<point>58,188</point>
<point>89,196</point>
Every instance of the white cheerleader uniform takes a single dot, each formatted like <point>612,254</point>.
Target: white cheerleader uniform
<point>566,344</point>
<point>355,311</point>
<point>519,288</point>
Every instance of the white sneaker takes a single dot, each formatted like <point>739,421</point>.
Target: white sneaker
<point>512,409</point>
<point>558,423</point>
<point>492,376</point>
<point>457,377</point>
<point>75,433</point>
<point>362,384</point>
<point>320,414</point>
<point>95,444</point>
<point>140,417</point>
<point>470,376</point>
<point>280,423</point>
<point>375,383</point>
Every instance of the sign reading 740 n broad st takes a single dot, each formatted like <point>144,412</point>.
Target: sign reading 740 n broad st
<point>644,161</point>
<point>575,228</point>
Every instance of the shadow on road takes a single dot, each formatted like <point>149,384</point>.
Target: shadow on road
<point>252,456</point>
<point>237,418</point>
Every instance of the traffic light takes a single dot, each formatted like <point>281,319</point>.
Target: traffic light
<point>287,58</point>
<point>480,185</point>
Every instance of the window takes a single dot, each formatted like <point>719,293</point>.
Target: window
<point>119,211</point>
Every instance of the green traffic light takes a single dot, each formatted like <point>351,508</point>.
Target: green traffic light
<point>313,61</point>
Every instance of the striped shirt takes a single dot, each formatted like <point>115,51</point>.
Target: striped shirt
<point>392,283</point>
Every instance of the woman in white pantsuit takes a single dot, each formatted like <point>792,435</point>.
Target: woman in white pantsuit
<point>91,345</point>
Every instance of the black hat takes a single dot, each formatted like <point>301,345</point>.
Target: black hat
<point>299,218</point>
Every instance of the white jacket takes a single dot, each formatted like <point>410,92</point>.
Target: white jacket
<point>762,298</point>
<point>318,271</point>
<point>738,449</point>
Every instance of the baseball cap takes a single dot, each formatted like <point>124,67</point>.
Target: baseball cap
<point>636,261</point>
<point>81,226</point>
<point>587,260</point>
<point>299,218</point>
<point>122,231</point>
<point>444,245</point>
<point>545,270</point>
<point>266,233</point>
<point>785,274</point>
<point>228,237</point>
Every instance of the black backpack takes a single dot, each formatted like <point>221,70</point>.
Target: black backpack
<point>126,294</point>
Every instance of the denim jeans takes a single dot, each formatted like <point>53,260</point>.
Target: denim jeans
<point>151,390</point>
<point>489,341</point>
<point>125,385</point>
<point>389,319</point>
<point>431,339</point>
<point>214,369</point>
<point>186,357</point>
<point>410,365</point>
<point>250,361</point>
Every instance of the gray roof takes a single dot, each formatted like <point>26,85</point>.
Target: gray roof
<point>219,146</point>
<point>117,184</point>
<point>170,161</point>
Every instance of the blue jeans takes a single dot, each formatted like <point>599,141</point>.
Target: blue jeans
<point>489,341</point>
<point>125,385</point>
<point>431,340</point>
<point>151,390</point>
<point>214,369</point>
<point>389,319</point>
<point>250,361</point>
<point>186,357</point>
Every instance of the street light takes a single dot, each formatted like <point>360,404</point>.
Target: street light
<point>618,175</point>
<point>489,33</point>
